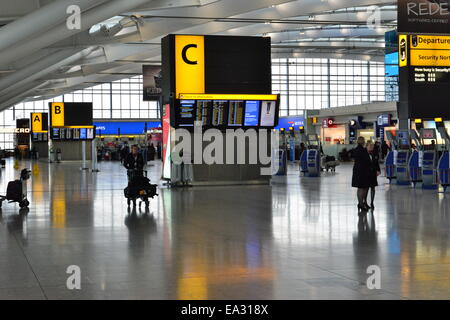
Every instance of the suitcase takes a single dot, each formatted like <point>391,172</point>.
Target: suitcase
<point>139,184</point>
<point>14,191</point>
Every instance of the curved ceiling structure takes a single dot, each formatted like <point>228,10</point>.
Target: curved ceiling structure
<point>40,57</point>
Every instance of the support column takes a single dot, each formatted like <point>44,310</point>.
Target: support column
<point>83,154</point>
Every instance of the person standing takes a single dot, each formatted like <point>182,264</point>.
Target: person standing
<point>151,152</point>
<point>124,151</point>
<point>159,150</point>
<point>361,173</point>
<point>377,149</point>
<point>384,149</point>
<point>375,171</point>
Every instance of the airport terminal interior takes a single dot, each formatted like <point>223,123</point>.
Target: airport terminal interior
<point>119,179</point>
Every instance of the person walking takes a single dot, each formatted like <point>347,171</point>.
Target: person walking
<point>134,162</point>
<point>375,171</point>
<point>361,173</point>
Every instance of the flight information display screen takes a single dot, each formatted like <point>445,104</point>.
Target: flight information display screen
<point>83,134</point>
<point>268,109</point>
<point>219,113</point>
<point>76,134</point>
<point>187,113</point>
<point>203,112</point>
<point>56,134</point>
<point>224,114</point>
<point>90,134</point>
<point>236,114</point>
<point>252,113</point>
<point>39,137</point>
<point>67,134</point>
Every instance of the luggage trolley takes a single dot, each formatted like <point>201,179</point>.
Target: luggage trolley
<point>139,187</point>
<point>17,190</point>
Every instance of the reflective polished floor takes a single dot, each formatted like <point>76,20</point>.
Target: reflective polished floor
<point>300,238</point>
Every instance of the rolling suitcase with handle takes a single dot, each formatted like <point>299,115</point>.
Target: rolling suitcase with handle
<point>14,191</point>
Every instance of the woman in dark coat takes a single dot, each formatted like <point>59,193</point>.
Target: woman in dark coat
<point>362,177</point>
<point>374,172</point>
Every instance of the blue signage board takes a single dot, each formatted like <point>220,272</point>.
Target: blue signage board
<point>391,65</point>
<point>251,114</point>
<point>384,120</point>
<point>83,134</point>
<point>126,128</point>
<point>291,122</point>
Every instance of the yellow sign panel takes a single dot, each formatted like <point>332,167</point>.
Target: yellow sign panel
<point>57,114</point>
<point>430,58</point>
<point>189,64</point>
<point>403,50</point>
<point>36,122</point>
<point>258,97</point>
<point>430,42</point>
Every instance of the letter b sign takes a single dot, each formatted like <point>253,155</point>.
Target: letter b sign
<point>57,114</point>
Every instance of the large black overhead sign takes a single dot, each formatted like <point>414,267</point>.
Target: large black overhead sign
<point>71,114</point>
<point>425,75</point>
<point>424,16</point>
<point>216,65</point>
<point>219,81</point>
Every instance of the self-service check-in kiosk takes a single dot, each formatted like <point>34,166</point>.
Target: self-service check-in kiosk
<point>429,159</point>
<point>415,160</point>
<point>391,158</point>
<point>443,168</point>
<point>310,159</point>
<point>403,155</point>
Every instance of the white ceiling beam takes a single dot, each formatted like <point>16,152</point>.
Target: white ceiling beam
<point>89,18</point>
<point>40,21</point>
